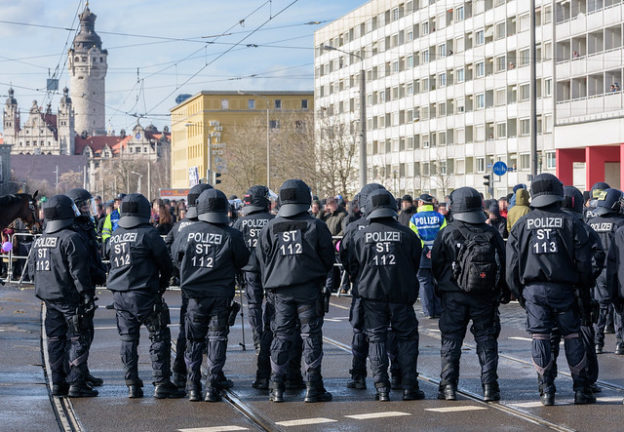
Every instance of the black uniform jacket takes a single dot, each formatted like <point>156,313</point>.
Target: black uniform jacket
<point>209,256</point>
<point>251,226</point>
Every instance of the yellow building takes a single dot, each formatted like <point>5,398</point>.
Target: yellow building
<point>210,118</point>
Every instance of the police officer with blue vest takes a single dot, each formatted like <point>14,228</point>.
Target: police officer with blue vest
<point>140,268</point>
<point>468,259</point>
<point>383,258</point>
<point>179,366</point>
<point>295,253</point>
<point>62,280</point>
<point>549,257</point>
<point>208,253</point>
<point>606,220</point>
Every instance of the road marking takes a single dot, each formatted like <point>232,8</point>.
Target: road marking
<point>215,429</point>
<point>303,422</point>
<point>377,415</point>
<point>527,404</point>
<point>340,306</point>
<point>610,399</point>
<point>332,320</point>
<point>115,328</point>
<point>520,338</point>
<point>456,409</point>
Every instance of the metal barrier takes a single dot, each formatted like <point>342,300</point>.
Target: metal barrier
<point>12,258</point>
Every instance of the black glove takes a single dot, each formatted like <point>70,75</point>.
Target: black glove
<point>505,296</point>
<point>163,284</point>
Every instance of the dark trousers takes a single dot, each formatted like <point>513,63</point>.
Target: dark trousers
<point>292,317</point>
<point>255,294</point>
<point>179,365</point>
<point>68,348</point>
<point>587,337</point>
<point>549,306</point>
<point>359,342</point>
<point>458,309</point>
<point>133,309</point>
<point>378,316</point>
<point>603,317</point>
<point>206,316</point>
<point>430,302</point>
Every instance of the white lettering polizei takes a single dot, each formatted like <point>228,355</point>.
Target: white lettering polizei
<point>544,222</point>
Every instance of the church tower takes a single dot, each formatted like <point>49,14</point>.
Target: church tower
<point>11,119</point>
<point>65,124</point>
<point>87,67</point>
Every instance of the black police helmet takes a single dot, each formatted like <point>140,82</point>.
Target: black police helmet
<point>467,205</point>
<point>135,210</point>
<point>608,202</point>
<point>407,198</point>
<point>59,212</point>
<point>191,199</point>
<point>367,190</point>
<point>426,198</point>
<point>600,186</point>
<point>256,199</point>
<point>546,189</point>
<point>295,198</point>
<point>120,197</point>
<point>572,199</point>
<point>381,204</point>
<point>213,206</point>
<point>79,195</point>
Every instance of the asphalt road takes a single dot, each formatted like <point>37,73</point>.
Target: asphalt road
<point>25,403</point>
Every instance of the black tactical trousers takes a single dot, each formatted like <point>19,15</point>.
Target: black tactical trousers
<point>603,317</point>
<point>133,309</point>
<point>293,317</point>
<point>264,355</point>
<point>206,317</point>
<point>179,365</point>
<point>547,306</point>
<point>255,294</point>
<point>587,337</point>
<point>378,316</point>
<point>68,347</point>
<point>359,343</point>
<point>458,309</point>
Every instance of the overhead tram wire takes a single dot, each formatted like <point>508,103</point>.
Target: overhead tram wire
<point>271,18</point>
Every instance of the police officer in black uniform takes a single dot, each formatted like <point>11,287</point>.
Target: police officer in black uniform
<point>208,253</point>
<point>84,226</point>
<point>294,254</point>
<point>548,259</point>
<point>62,280</point>
<point>468,259</point>
<point>179,366</point>
<point>140,268</point>
<point>384,257</point>
<point>605,221</point>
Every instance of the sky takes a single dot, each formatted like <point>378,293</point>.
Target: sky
<point>167,66</point>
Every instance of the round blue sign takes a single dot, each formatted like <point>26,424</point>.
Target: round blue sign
<point>499,168</point>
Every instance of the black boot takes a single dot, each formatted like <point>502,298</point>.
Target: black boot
<point>81,390</point>
<point>357,382</point>
<point>383,393</point>
<point>595,388</point>
<point>179,380</point>
<point>168,390</point>
<point>224,382</point>
<point>135,391</point>
<point>547,399</point>
<point>195,394</point>
<point>598,349</point>
<point>584,397</point>
<point>619,348</point>
<point>317,393</point>
<point>60,389</point>
<point>395,382</point>
<point>447,392</point>
<point>212,395</point>
<point>277,392</point>
<point>491,392</point>
<point>295,383</point>
<point>94,381</point>
<point>261,383</point>
<point>413,393</point>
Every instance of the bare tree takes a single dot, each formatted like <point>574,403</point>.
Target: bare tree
<point>70,180</point>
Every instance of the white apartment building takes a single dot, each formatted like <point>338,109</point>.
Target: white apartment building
<point>447,87</point>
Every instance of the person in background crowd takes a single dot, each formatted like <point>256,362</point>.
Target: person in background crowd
<point>520,209</point>
<point>443,210</point>
<point>165,220</point>
<point>155,212</point>
<point>108,209</point>
<point>512,201</point>
<point>354,213</point>
<point>316,209</point>
<point>502,206</point>
<point>112,220</point>
<point>334,215</point>
<point>495,219</point>
<point>407,210</point>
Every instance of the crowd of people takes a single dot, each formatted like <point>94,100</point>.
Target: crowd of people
<point>561,261</point>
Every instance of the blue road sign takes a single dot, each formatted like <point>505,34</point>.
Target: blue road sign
<point>499,168</point>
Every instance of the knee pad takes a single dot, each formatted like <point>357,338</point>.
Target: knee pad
<point>129,337</point>
<point>541,336</point>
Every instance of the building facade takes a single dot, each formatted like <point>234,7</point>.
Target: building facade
<point>213,117</point>
<point>447,87</point>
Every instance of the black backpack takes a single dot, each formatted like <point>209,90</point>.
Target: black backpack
<point>476,267</point>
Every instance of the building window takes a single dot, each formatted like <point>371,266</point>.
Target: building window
<point>225,104</point>
<point>525,161</point>
<point>551,160</point>
<point>525,92</point>
<point>460,75</point>
<point>501,130</point>
<point>479,37</point>
<point>304,104</point>
<point>500,30</point>
<point>480,69</point>
<point>548,87</point>
<point>480,165</point>
<point>251,104</point>
<point>524,57</point>
<point>500,63</point>
<point>525,127</point>
<point>274,124</point>
<point>278,104</point>
<point>459,14</point>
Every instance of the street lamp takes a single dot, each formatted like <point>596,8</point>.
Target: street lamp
<point>362,111</point>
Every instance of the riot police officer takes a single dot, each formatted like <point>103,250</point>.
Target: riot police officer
<point>384,257</point>
<point>208,253</point>
<point>295,253</point>
<point>63,282</point>
<point>84,226</point>
<point>605,221</point>
<point>179,366</point>
<point>140,268</point>
<point>467,260</point>
<point>548,259</point>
